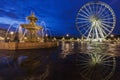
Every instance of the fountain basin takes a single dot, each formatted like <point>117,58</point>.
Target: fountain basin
<point>26,45</point>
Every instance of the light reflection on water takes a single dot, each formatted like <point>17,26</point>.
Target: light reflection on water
<point>57,63</point>
<point>97,60</point>
<point>102,48</point>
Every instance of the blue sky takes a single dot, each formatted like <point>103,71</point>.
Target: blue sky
<point>59,15</point>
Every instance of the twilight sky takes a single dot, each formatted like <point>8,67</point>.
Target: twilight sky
<point>59,15</point>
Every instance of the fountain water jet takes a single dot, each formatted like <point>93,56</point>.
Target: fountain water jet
<point>45,30</point>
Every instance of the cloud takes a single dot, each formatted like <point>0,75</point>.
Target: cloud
<point>5,20</point>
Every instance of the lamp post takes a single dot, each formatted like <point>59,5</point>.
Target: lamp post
<point>46,35</point>
<point>112,36</point>
<point>67,36</point>
<point>11,35</point>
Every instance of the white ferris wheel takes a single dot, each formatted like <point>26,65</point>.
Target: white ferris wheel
<point>95,20</point>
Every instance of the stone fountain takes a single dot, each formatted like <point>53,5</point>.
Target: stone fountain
<point>31,41</point>
<point>32,28</point>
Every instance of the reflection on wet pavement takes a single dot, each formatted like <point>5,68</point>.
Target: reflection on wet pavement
<point>70,61</point>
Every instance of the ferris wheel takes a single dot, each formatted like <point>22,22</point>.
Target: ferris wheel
<point>95,20</point>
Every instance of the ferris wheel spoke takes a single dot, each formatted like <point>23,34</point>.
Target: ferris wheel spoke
<point>87,14</point>
<point>84,25</point>
<point>104,19</point>
<point>87,10</point>
<point>90,9</point>
<point>109,22</point>
<point>105,16</point>
<point>102,11</point>
<point>106,25</point>
<point>93,8</point>
<point>82,19</point>
<point>83,29</point>
<point>87,29</point>
<point>87,25</point>
<point>82,22</point>
<point>83,15</point>
<point>106,29</point>
<point>103,31</point>
<point>97,9</point>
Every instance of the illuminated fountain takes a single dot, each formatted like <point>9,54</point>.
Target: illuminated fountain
<point>32,28</point>
<point>27,36</point>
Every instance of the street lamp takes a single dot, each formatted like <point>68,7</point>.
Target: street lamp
<point>11,35</point>
<point>112,36</point>
<point>46,35</point>
<point>67,35</point>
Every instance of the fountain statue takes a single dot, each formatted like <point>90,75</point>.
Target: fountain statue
<point>32,28</point>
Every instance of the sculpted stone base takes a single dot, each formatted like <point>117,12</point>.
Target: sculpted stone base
<point>28,45</point>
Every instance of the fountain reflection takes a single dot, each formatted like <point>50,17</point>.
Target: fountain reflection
<point>24,66</point>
